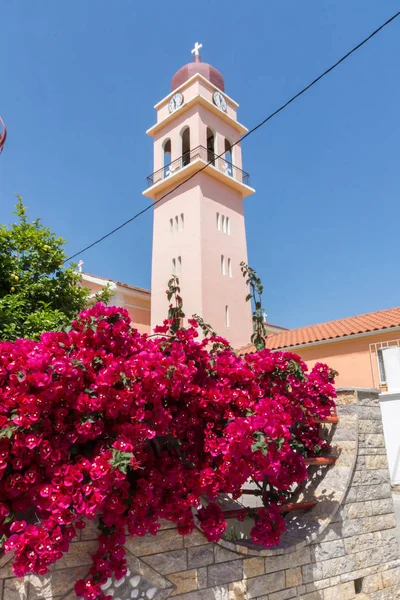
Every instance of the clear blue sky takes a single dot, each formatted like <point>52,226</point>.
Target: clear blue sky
<point>78,82</point>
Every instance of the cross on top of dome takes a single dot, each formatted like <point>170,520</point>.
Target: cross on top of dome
<point>207,71</point>
<point>196,49</point>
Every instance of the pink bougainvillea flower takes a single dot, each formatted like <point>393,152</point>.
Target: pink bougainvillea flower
<point>105,423</point>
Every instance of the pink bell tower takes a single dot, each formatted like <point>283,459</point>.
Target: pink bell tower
<point>199,228</point>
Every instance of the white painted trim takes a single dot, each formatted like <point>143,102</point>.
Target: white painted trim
<point>344,338</point>
<point>187,105</point>
<point>120,288</point>
<point>186,84</point>
<point>192,167</point>
<point>96,280</point>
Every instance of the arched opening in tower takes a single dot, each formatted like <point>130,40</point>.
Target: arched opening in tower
<point>185,146</point>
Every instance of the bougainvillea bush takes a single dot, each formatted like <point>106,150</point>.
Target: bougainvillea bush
<point>102,422</point>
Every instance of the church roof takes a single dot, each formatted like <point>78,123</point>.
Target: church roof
<point>124,285</point>
<point>369,322</point>
<point>208,71</point>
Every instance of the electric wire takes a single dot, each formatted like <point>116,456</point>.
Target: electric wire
<point>273,114</point>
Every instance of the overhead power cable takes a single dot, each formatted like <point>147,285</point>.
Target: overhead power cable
<point>276,112</point>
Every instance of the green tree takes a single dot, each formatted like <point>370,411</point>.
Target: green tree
<point>37,293</point>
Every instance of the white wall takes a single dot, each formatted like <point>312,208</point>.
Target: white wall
<point>390,406</point>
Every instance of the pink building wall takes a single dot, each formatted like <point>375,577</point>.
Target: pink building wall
<point>219,298</point>
<point>356,364</point>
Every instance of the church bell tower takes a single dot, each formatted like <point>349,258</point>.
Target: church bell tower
<point>199,228</point>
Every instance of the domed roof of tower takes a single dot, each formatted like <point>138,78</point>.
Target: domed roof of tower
<point>190,69</point>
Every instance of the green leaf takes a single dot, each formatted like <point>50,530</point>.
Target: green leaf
<point>121,460</point>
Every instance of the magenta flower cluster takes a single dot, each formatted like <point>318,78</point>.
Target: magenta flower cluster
<point>102,422</point>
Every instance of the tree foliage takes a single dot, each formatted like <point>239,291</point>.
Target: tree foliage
<point>37,293</point>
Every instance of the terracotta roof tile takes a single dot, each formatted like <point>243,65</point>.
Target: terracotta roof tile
<point>381,319</point>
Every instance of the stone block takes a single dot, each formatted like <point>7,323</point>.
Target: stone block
<point>358,510</point>
<point>237,590</point>
<point>343,398</point>
<point>370,451</point>
<point>59,583</point>
<point>293,577</point>
<point>312,572</point>
<point>336,566</point>
<point>371,412</point>
<point>310,596</point>
<point>200,556</point>
<point>327,550</point>
<point>252,567</point>
<point>281,595</point>
<point>343,591</point>
<point>367,398</point>
<point>374,440</point>
<point>185,581</point>
<point>360,543</point>
<point>196,538</point>
<point>319,585</point>
<point>219,592</point>
<point>370,426</point>
<point>286,561</point>
<point>265,584</point>
<point>164,541</point>
<point>372,583</point>
<point>371,492</point>
<point>168,562</point>
<point>226,572</point>
<point>79,553</point>
<point>202,578</point>
<point>15,589</point>
<point>371,477</point>
<point>377,461</point>
<point>391,577</point>
<point>223,554</point>
<point>378,523</point>
<point>91,531</point>
<point>381,507</point>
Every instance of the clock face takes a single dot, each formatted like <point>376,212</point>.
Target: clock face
<point>175,102</point>
<point>219,101</point>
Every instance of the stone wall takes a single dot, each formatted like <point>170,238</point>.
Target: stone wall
<point>345,548</point>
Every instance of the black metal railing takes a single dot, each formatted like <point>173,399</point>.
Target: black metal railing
<point>201,153</point>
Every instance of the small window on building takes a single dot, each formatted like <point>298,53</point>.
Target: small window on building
<point>228,226</point>
<point>223,224</point>
<point>171,225</point>
<point>227,322</point>
<point>222,264</point>
<point>218,222</point>
<point>182,222</point>
<point>229,267</point>
<point>179,266</point>
<point>176,223</point>
<point>173,266</point>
